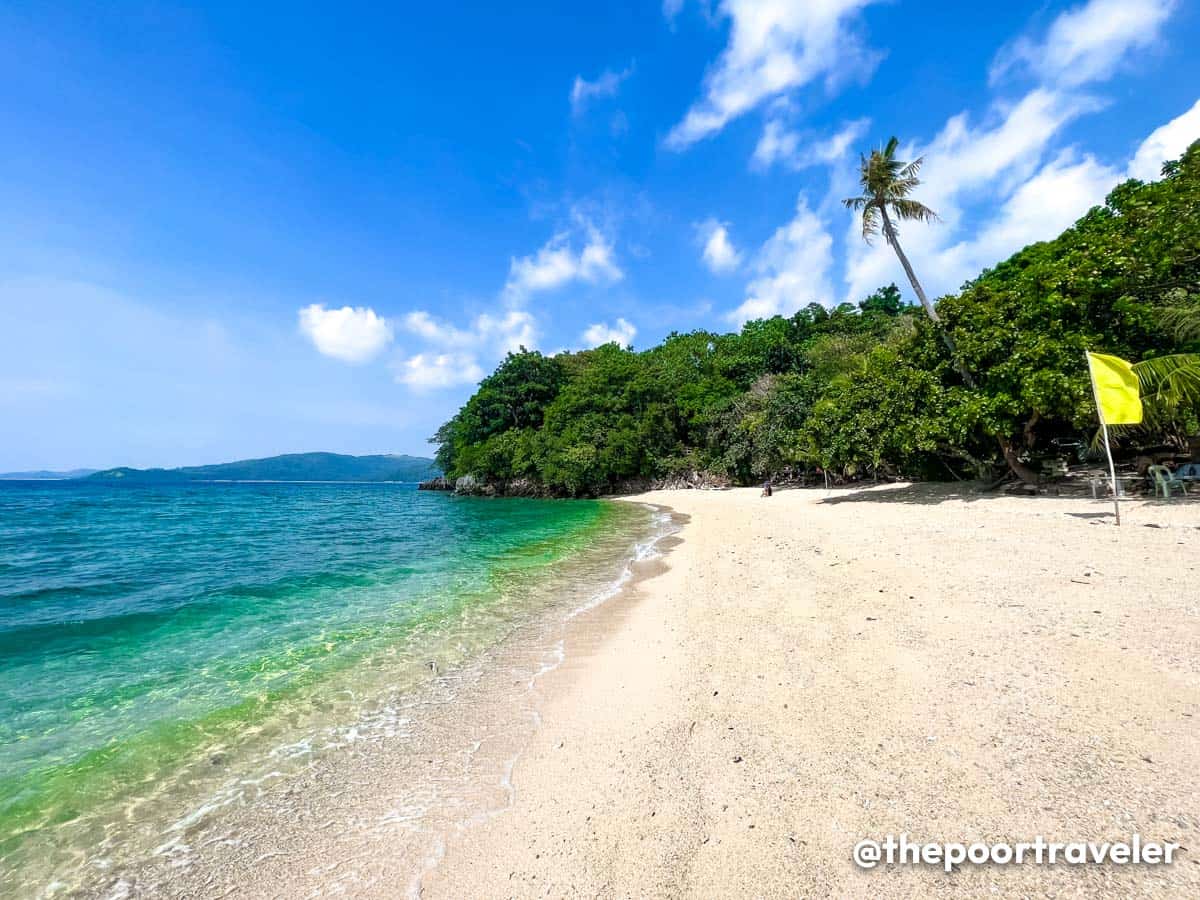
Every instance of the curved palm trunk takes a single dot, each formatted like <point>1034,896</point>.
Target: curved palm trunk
<point>890,234</point>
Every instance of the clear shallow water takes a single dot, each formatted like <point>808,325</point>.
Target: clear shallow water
<point>154,640</point>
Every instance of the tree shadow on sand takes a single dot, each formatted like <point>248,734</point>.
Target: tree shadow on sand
<point>932,494</point>
<point>926,494</point>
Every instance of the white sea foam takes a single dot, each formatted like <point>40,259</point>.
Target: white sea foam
<point>642,551</point>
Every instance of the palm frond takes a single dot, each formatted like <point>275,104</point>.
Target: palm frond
<point>856,203</point>
<point>1183,322</point>
<point>870,222</point>
<point>902,187</point>
<point>1169,384</point>
<point>911,169</point>
<point>913,210</point>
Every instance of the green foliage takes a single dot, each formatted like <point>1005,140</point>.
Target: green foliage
<point>515,396</point>
<point>869,387</point>
<point>759,432</point>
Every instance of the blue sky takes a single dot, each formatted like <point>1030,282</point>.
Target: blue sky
<point>234,230</point>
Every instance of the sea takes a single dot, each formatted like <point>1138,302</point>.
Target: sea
<point>164,648</point>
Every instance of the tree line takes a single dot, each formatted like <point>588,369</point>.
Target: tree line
<point>984,381</point>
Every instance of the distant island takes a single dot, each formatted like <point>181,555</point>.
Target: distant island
<point>288,467</point>
<point>45,475</point>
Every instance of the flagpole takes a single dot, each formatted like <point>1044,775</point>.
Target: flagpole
<point>1112,469</point>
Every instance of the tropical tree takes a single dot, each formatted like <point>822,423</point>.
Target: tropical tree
<point>887,184</point>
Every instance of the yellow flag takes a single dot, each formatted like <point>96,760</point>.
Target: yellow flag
<point>1116,387</point>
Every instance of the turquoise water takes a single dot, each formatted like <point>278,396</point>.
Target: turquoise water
<point>150,634</point>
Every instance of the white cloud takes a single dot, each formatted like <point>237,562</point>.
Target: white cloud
<point>778,144</point>
<point>718,252</point>
<point>1166,142</point>
<point>622,333</point>
<point>557,264</point>
<point>606,85</point>
<point>352,334</point>
<point>835,147</point>
<point>508,331</point>
<point>962,158</point>
<point>793,269</point>
<point>455,353</point>
<point>1086,43</point>
<point>671,8</point>
<point>426,371</point>
<point>422,324</point>
<point>1040,208</point>
<point>774,46</point>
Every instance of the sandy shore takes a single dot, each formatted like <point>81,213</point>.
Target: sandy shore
<point>821,667</point>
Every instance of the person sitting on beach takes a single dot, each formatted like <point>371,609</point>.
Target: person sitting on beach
<point>766,491</point>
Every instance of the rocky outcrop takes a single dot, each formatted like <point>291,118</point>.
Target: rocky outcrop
<point>694,480</point>
<point>470,486</point>
<point>441,483</point>
<point>680,481</point>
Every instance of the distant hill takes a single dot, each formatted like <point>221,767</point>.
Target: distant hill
<point>289,467</point>
<point>43,475</point>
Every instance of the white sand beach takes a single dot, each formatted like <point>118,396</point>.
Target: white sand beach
<point>816,668</point>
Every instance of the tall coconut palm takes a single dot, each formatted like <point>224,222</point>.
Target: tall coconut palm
<point>886,184</point>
